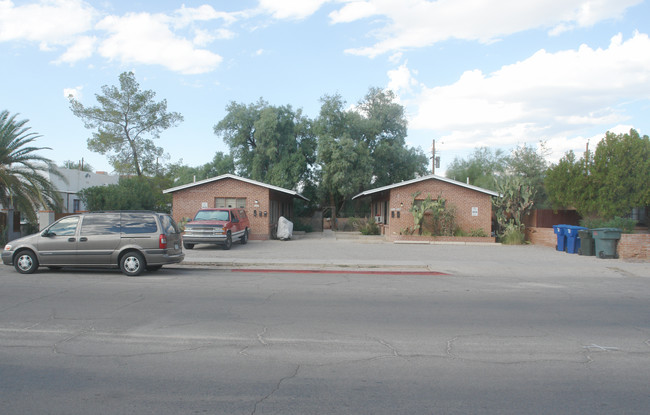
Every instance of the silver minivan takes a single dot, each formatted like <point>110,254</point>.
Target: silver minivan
<point>131,240</point>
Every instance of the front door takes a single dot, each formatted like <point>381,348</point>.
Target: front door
<point>57,244</point>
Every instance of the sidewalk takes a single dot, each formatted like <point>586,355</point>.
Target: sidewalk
<point>344,251</point>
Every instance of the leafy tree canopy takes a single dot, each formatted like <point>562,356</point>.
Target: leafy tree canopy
<point>363,147</point>
<point>383,127</point>
<point>483,168</point>
<point>182,174</point>
<point>344,163</point>
<point>134,193</point>
<point>608,183</point>
<point>270,144</point>
<point>127,121</point>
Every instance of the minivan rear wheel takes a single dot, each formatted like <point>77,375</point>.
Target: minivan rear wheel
<point>132,264</point>
<point>26,262</point>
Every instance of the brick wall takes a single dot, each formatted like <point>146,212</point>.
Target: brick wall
<point>188,201</point>
<point>634,246</point>
<point>462,198</point>
<point>541,236</point>
<point>631,246</point>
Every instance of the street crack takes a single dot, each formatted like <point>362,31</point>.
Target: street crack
<point>275,389</point>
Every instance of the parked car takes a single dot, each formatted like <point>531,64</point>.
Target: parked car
<point>217,226</point>
<point>130,240</point>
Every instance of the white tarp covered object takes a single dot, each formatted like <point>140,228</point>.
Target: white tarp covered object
<point>285,228</point>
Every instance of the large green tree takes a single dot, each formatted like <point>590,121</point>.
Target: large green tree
<point>127,121</point>
<point>482,168</point>
<point>182,174</point>
<point>344,162</point>
<point>363,147</point>
<point>24,181</point>
<point>271,144</point>
<point>382,126</point>
<point>609,182</point>
<point>530,165</point>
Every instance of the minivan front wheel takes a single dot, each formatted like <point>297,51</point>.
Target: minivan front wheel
<point>26,262</point>
<point>132,264</point>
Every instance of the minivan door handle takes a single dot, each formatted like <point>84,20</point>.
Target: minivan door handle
<point>83,239</point>
<point>71,239</point>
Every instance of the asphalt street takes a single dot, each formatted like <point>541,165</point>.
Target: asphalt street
<point>329,325</point>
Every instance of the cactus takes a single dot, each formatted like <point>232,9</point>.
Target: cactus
<point>515,200</point>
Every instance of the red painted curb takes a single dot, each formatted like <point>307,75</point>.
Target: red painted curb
<point>329,271</point>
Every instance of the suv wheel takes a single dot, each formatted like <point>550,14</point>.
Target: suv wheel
<point>188,246</point>
<point>25,262</point>
<point>244,238</point>
<point>228,243</point>
<point>132,264</point>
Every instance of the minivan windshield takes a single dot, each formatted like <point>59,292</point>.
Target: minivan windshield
<point>212,215</point>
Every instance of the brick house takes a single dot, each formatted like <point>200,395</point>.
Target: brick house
<point>390,205</point>
<point>264,203</point>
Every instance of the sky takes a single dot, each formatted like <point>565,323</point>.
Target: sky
<point>469,73</point>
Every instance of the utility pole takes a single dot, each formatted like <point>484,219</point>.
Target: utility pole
<point>435,161</point>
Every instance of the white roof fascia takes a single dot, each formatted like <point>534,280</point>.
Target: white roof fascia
<point>423,178</point>
<point>232,176</point>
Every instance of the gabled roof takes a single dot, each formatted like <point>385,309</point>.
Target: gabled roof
<point>424,178</point>
<point>232,176</point>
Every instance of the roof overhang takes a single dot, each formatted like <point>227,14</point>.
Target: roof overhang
<point>424,178</point>
<point>232,176</point>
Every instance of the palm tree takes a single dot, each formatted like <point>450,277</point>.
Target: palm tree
<point>24,183</point>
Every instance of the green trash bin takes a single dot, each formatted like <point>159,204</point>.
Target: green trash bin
<point>586,243</point>
<point>606,240</point>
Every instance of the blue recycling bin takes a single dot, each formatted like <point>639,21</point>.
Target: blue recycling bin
<point>573,238</point>
<point>560,232</point>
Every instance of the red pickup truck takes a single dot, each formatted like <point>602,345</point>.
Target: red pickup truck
<point>217,226</point>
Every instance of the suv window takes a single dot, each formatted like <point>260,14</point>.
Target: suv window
<point>134,223</point>
<point>101,224</point>
<point>65,227</point>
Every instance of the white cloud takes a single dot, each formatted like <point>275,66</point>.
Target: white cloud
<point>352,11</point>
<point>47,22</point>
<point>420,23</point>
<point>188,15</point>
<point>547,96</point>
<point>83,48</point>
<point>401,81</point>
<point>291,9</point>
<point>203,37</point>
<point>147,39</point>
<point>73,92</point>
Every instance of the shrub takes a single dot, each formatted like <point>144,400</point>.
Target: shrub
<point>480,233</point>
<point>369,228</point>
<point>627,225</point>
<point>301,226</point>
<point>513,234</point>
